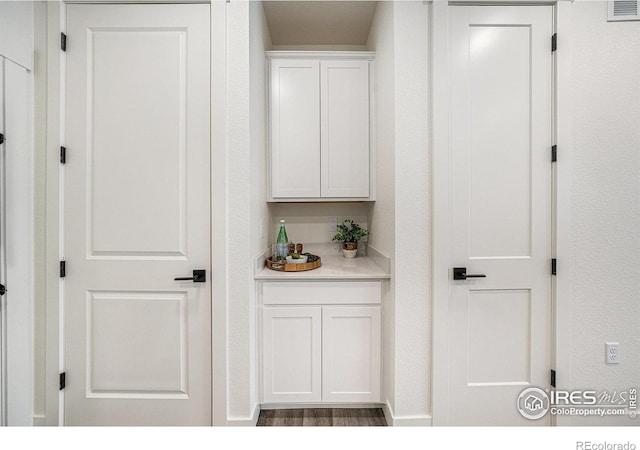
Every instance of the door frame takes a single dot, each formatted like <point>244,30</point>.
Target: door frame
<point>561,199</point>
<point>54,78</point>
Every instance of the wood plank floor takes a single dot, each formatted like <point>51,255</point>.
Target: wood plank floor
<point>322,417</point>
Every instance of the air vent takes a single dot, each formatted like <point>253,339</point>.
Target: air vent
<point>623,10</point>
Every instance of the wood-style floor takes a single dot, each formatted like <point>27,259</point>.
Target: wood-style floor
<point>322,417</point>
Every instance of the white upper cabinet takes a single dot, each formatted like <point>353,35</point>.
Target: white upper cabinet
<point>320,109</point>
<point>344,128</point>
<point>295,131</point>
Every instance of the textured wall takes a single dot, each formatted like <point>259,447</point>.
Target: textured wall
<point>382,221</point>
<point>400,219</point>
<point>259,41</point>
<point>412,212</point>
<point>605,192</point>
<point>240,323</point>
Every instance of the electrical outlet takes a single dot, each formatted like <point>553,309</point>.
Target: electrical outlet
<point>262,229</point>
<point>333,224</point>
<point>612,352</point>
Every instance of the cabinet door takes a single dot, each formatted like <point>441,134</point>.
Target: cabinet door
<point>292,354</point>
<point>351,354</point>
<point>295,129</point>
<point>345,128</point>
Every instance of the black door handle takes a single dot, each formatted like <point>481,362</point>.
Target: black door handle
<point>199,276</point>
<point>3,289</point>
<point>460,273</point>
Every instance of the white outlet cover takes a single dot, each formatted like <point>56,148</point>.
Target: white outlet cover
<point>333,224</point>
<point>612,352</point>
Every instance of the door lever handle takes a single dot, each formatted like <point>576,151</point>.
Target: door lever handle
<point>460,273</point>
<point>199,276</point>
<point>3,289</point>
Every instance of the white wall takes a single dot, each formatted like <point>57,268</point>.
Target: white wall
<point>400,220</point>
<point>382,219</point>
<point>260,40</point>
<point>247,39</point>
<point>605,192</point>
<point>239,320</point>
<point>16,32</point>
<point>413,207</point>
<point>16,123</point>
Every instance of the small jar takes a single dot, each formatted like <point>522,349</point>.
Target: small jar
<point>299,249</point>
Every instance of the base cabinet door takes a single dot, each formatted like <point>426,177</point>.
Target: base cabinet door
<point>351,354</point>
<point>292,354</point>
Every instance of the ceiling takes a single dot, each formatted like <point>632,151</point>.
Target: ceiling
<point>319,22</point>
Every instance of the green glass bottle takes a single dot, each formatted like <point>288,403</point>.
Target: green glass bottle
<point>282,243</point>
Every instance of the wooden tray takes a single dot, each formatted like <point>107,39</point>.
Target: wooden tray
<point>293,267</point>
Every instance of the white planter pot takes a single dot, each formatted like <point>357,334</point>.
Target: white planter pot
<point>349,253</point>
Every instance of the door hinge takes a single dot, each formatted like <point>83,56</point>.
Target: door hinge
<point>1,138</point>
<point>63,269</point>
<point>553,266</point>
<point>63,380</point>
<point>554,153</point>
<point>63,42</point>
<point>554,42</point>
<point>552,380</point>
<point>63,155</point>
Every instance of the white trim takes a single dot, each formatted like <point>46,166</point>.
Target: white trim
<point>405,421</point>
<point>440,239</point>
<point>246,422</point>
<point>219,211</point>
<point>564,134</point>
<point>319,54</point>
<point>53,404</point>
<point>440,127</point>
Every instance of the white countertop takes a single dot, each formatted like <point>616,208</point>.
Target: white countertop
<point>333,268</point>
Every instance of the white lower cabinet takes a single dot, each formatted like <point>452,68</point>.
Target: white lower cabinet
<point>321,353</point>
<point>292,354</point>
<point>351,354</point>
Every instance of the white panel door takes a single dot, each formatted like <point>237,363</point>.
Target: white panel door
<point>344,128</point>
<point>501,137</point>
<point>292,354</point>
<point>351,354</point>
<point>295,129</point>
<point>137,213</point>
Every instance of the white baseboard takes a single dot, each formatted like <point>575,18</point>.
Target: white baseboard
<point>38,420</point>
<point>405,421</point>
<point>319,405</point>
<point>245,422</point>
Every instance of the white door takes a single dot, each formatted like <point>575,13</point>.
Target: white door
<point>295,128</point>
<point>501,137</point>
<point>351,354</point>
<point>292,354</point>
<point>344,128</point>
<point>137,212</point>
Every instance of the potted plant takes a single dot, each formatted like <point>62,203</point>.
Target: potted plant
<point>349,233</point>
